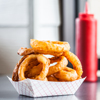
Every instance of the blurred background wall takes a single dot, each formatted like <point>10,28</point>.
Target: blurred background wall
<point>14,32</point>
<point>21,20</point>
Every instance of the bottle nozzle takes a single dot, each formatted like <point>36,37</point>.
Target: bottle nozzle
<point>86,13</point>
<point>86,7</point>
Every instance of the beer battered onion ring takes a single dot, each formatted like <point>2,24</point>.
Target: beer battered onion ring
<point>34,71</point>
<point>75,62</point>
<point>61,64</point>
<point>52,78</point>
<point>67,74</point>
<point>36,66</point>
<point>55,48</point>
<point>41,59</point>
<point>15,76</point>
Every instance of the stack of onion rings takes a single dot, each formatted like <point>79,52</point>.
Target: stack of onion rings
<point>34,65</point>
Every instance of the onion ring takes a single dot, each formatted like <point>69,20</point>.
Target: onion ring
<point>25,51</point>
<point>41,79</point>
<point>52,78</point>
<point>41,59</point>
<point>67,74</point>
<point>45,79</point>
<point>36,66</point>
<point>75,62</point>
<point>55,48</point>
<point>62,62</point>
<point>15,76</point>
<point>34,71</point>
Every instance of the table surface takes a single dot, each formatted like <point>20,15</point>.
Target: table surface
<point>87,91</point>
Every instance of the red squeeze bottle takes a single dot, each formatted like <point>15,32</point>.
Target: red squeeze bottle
<point>86,44</point>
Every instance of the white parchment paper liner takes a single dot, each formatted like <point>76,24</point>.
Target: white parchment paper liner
<point>36,88</point>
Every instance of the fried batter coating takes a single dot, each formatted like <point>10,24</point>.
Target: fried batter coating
<point>61,64</point>
<point>15,76</point>
<point>67,74</point>
<point>75,62</point>
<point>52,78</point>
<point>34,65</point>
<point>41,59</point>
<point>55,48</point>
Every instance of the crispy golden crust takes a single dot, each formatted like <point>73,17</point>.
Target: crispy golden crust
<point>24,66</point>
<point>61,64</point>
<point>45,79</point>
<point>52,78</point>
<point>54,59</point>
<point>25,51</point>
<point>41,79</point>
<point>34,71</point>
<point>15,76</point>
<point>67,74</point>
<point>55,48</point>
<point>75,62</point>
<point>35,66</point>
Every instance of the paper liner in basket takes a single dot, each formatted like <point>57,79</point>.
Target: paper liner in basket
<point>37,88</point>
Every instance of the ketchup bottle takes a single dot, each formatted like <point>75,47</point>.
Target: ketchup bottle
<point>86,44</point>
